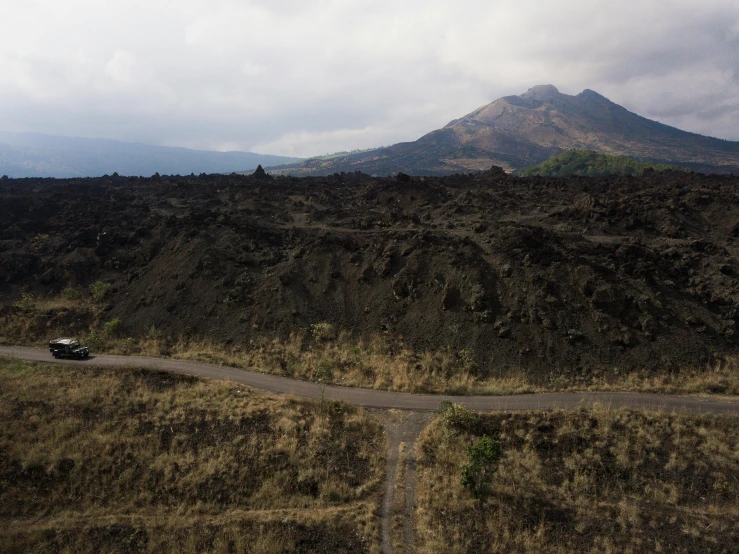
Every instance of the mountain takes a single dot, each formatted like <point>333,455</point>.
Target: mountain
<point>38,155</point>
<point>515,132</point>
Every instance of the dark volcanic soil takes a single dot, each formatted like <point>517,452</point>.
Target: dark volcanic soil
<point>546,275</point>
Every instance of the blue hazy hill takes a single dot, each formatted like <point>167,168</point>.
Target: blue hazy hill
<point>39,155</point>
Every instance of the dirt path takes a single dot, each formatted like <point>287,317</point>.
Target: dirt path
<point>403,415</point>
<point>398,507</point>
<point>391,400</point>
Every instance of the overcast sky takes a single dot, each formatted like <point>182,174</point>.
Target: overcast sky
<point>315,76</point>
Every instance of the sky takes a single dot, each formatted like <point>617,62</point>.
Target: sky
<point>309,77</point>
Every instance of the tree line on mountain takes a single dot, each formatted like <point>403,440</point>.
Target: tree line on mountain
<point>588,163</point>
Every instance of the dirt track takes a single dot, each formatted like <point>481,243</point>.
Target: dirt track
<point>384,399</point>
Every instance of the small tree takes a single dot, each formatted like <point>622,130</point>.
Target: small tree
<point>482,463</point>
<point>322,376</point>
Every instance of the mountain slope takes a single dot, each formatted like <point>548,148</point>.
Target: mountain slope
<point>38,155</point>
<point>519,131</point>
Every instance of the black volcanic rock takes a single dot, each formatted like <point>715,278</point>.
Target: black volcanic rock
<point>550,275</point>
<point>496,171</point>
<point>260,173</point>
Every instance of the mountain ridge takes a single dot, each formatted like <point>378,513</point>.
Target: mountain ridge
<point>515,132</point>
<point>43,155</point>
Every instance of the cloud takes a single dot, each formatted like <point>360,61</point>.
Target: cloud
<point>122,67</point>
<point>304,78</point>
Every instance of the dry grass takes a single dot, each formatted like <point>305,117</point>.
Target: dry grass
<point>373,363</point>
<point>589,480</point>
<point>137,461</point>
<point>376,363</point>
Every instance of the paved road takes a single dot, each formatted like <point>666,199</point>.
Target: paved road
<point>384,399</point>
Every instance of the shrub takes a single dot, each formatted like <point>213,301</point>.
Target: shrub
<point>322,331</point>
<point>482,463</point>
<point>71,294</point>
<point>457,417</point>
<point>94,340</point>
<point>324,372</point>
<point>152,332</point>
<point>99,290</point>
<point>112,328</point>
<point>466,358</point>
<point>129,346</point>
<point>27,302</point>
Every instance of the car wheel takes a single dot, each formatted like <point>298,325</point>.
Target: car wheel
<point>56,355</point>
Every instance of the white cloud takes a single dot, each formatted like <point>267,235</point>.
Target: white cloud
<point>324,142</point>
<point>306,78</point>
<point>122,67</point>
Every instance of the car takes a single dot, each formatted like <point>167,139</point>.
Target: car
<point>68,348</point>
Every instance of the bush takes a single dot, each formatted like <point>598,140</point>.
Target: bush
<point>99,290</point>
<point>152,332</point>
<point>71,294</point>
<point>466,358</point>
<point>27,302</point>
<point>129,346</point>
<point>94,340</point>
<point>482,463</point>
<point>112,328</point>
<point>322,331</point>
<point>457,417</point>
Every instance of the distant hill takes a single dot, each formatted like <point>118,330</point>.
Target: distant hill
<point>38,155</point>
<point>588,163</point>
<point>516,132</point>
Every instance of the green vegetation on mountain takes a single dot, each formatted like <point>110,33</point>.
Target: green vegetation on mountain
<point>588,163</point>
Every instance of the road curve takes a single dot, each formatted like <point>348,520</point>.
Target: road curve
<point>370,398</point>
